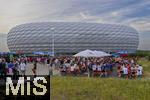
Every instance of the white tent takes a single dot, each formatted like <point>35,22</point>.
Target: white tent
<point>100,53</point>
<point>90,53</point>
<point>85,53</point>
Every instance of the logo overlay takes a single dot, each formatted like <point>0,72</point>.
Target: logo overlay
<point>25,88</point>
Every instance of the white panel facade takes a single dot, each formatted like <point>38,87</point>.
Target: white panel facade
<point>72,37</point>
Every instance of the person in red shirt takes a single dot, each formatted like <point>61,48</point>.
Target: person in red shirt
<point>129,70</point>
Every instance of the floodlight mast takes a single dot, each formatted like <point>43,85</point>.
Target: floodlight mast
<point>53,41</point>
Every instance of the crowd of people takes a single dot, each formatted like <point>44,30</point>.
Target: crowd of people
<point>15,67</point>
<point>75,66</point>
<point>101,67</point>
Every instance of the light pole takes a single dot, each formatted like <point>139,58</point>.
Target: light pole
<point>53,41</point>
<point>52,29</point>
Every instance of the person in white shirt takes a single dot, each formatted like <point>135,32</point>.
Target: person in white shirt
<point>72,68</point>
<point>132,61</point>
<point>22,67</point>
<point>99,68</point>
<point>139,71</point>
<point>125,72</point>
<point>57,63</point>
<point>94,67</point>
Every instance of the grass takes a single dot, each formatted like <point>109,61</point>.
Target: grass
<point>84,88</point>
<point>141,53</point>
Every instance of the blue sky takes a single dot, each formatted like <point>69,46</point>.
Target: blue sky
<point>135,13</point>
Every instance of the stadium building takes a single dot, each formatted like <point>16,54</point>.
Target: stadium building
<point>71,37</point>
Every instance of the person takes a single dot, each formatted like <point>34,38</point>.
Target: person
<point>94,68</point>
<point>22,68</point>
<point>76,69</point>
<point>119,71</point>
<point>82,68</point>
<point>110,69</point>
<point>34,68</point>
<point>16,69</point>
<point>139,71</point>
<point>125,72</point>
<point>56,63</point>
<point>132,61</point>
<point>72,69</point>
<point>10,68</point>
<point>133,72</point>
<point>2,68</point>
<point>107,69</point>
<point>99,69</point>
<point>129,70</point>
<point>89,69</point>
<point>50,70</point>
<point>103,70</point>
<point>62,71</point>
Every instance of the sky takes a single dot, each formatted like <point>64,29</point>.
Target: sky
<point>135,13</point>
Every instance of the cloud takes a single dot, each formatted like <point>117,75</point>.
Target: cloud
<point>3,43</point>
<point>14,12</point>
<point>22,11</point>
<point>83,15</point>
<point>141,25</point>
<point>130,12</point>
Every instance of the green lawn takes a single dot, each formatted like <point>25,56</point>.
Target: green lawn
<point>84,88</point>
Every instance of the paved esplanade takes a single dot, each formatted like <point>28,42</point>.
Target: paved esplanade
<point>42,69</point>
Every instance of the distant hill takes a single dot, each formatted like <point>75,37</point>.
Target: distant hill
<point>3,43</point>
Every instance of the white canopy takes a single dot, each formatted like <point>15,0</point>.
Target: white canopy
<point>90,53</point>
<point>100,53</point>
<point>85,53</point>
